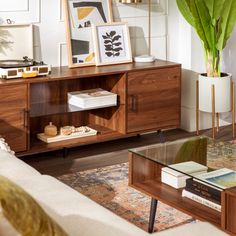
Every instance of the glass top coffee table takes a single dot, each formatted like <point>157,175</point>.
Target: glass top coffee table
<point>146,163</point>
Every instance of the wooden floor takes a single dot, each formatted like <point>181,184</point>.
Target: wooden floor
<point>107,153</point>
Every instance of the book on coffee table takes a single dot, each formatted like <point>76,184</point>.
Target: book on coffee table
<point>222,178</point>
<point>201,200</point>
<point>174,174</point>
<point>204,190</point>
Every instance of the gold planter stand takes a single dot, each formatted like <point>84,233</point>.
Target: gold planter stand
<point>214,114</point>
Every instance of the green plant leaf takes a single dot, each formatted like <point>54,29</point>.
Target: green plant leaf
<point>227,23</point>
<point>183,6</point>
<point>215,8</point>
<point>214,21</point>
<point>202,21</point>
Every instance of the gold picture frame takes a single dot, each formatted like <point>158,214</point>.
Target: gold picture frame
<point>79,17</point>
<point>112,43</point>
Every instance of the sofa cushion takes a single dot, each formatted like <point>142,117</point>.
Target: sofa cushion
<point>14,168</point>
<point>77,214</point>
<point>24,213</point>
<point>4,146</point>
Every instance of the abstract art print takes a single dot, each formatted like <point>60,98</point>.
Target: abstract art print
<point>112,43</point>
<point>79,17</point>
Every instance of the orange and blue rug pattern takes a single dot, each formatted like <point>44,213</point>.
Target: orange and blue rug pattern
<point>108,187</point>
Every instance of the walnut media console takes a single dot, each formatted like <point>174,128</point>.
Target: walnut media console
<point>149,96</point>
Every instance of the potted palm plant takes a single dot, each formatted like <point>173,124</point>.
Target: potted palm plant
<point>214,22</point>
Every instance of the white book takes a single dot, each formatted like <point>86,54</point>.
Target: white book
<point>173,178</point>
<point>201,200</point>
<point>93,98</point>
<point>189,167</point>
<point>177,179</point>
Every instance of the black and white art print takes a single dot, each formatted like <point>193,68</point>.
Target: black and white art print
<point>80,15</point>
<point>112,43</point>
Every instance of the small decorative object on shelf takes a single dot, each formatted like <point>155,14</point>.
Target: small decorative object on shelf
<point>50,130</point>
<point>68,132</point>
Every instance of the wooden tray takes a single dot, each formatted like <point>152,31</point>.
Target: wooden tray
<point>60,137</point>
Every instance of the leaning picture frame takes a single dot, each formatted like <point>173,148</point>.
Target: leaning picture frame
<point>112,43</point>
<point>79,17</point>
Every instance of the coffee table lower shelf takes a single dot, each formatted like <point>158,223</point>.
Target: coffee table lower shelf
<point>173,197</point>
<point>145,176</point>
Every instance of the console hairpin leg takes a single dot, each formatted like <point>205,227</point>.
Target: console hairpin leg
<point>197,107</point>
<point>233,109</point>
<point>213,109</point>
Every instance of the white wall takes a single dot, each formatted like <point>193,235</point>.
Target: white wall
<point>185,47</point>
<point>49,30</point>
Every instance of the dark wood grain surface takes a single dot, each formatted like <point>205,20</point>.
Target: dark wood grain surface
<point>14,116</point>
<point>61,73</point>
<point>154,99</point>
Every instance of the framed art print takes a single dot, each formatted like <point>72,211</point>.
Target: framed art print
<point>112,43</point>
<point>79,17</point>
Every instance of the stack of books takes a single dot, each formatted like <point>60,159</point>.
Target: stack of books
<point>206,188</point>
<point>176,175</point>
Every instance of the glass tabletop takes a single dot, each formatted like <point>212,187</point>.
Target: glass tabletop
<point>207,160</point>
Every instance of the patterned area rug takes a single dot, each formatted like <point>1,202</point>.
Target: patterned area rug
<point>108,187</point>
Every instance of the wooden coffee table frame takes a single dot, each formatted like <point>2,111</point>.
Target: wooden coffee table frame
<point>145,176</point>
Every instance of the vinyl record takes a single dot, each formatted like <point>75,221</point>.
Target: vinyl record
<point>15,63</point>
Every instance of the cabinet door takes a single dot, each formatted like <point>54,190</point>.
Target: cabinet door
<point>154,99</point>
<point>13,129</point>
<point>13,116</point>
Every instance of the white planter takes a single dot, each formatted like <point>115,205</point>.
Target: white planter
<point>222,93</point>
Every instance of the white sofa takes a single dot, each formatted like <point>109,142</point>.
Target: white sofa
<point>77,214</point>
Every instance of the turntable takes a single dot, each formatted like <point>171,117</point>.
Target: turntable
<point>26,68</point>
<point>16,44</point>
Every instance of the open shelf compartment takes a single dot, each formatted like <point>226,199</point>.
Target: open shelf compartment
<point>145,176</point>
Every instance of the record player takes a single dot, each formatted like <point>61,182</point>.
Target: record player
<point>16,49</point>
<point>26,68</point>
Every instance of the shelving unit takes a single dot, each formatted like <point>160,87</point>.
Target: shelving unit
<point>148,98</point>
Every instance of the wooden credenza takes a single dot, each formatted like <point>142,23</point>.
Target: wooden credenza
<point>149,96</point>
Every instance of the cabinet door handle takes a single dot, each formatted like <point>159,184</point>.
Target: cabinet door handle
<point>25,118</point>
<point>133,103</point>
